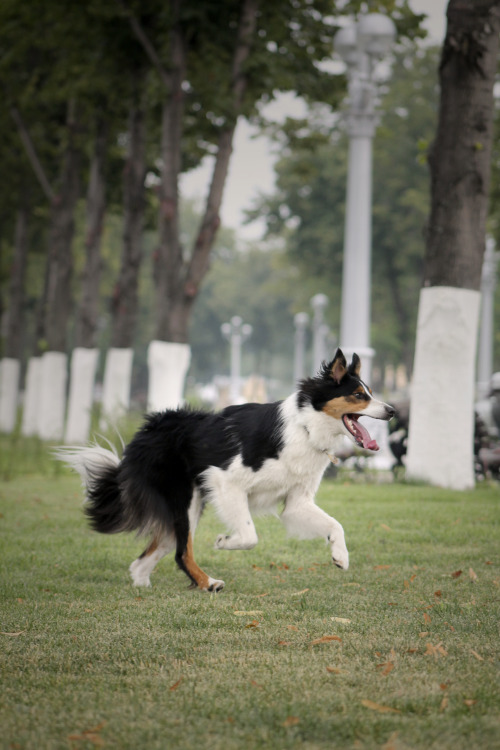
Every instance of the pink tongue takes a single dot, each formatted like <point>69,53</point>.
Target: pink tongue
<point>368,441</point>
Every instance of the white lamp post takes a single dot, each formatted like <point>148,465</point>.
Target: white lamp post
<point>486,329</point>
<point>319,303</point>
<point>236,332</point>
<point>301,321</point>
<point>361,46</point>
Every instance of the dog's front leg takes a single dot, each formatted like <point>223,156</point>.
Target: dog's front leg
<point>302,518</point>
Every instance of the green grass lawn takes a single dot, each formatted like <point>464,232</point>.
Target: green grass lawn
<point>399,652</point>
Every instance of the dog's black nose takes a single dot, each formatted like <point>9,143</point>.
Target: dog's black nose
<point>390,411</point>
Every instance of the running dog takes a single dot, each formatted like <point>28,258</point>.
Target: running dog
<point>244,459</point>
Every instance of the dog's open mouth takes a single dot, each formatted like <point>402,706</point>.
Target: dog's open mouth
<point>359,432</point>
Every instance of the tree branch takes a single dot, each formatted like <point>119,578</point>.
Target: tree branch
<point>210,223</point>
<point>32,154</point>
<point>146,44</point>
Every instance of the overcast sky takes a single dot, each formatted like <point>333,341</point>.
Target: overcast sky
<point>251,169</point>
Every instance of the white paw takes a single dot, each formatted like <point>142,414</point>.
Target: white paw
<point>340,555</point>
<point>214,585</point>
<point>139,578</point>
<point>221,541</point>
<point>236,541</point>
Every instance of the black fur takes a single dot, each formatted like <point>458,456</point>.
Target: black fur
<point>162,464</point>
<point>319,390</point>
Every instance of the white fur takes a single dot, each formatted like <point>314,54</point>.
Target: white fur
<point>87,459</point>
<point>238,492</point>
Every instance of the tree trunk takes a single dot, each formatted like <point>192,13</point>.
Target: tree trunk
<point>15,310</point>
<point>169,268</point>
<point>60,262</point>
<point>461,156</point>
<point>125,296</point>
<point>181,281</point>
<point>440,444</point>
<point>88,313</point>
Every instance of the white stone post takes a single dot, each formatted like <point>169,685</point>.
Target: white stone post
<point>81,394</point>
<point>116,386</point>
<point>168,363</point>
<point>52,396</point>
<point>31,397</point>
<point>9,393</point>
<point>361,46</point>
<point>439,438</point>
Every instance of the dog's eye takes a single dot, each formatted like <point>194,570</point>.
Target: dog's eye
<point>360,396</point>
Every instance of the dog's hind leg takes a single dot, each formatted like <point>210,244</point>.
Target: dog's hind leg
<point>161,544</point>
<point>141,569</point>
<point>231,505</point>
<point>184,558</point>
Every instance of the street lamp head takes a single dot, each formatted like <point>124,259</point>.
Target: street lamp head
<point>376,34</point>
<point>345,43</point>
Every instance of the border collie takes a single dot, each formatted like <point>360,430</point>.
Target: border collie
<point>245,459</point>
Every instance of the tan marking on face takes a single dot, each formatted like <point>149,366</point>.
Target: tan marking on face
<point>199,577</point>
<point>337,407</point>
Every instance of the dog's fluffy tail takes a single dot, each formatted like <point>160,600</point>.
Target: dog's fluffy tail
<point>98,468</point>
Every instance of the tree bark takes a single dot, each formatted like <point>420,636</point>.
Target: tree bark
<point>86,326</point>
<point>461,155</point>
<point>125,295</point>
<point>178,292</point>
<point>58,302</point>
<point>15,310</point>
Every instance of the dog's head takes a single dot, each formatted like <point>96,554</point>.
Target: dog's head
<point>338,392</point>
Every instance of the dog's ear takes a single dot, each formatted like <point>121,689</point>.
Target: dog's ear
<point>355,366</point>
<point>338,366</point>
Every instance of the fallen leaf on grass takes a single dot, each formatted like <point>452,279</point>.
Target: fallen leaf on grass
<point>386,667</point>
<point>89,735</point>
<point>469,703</point>
<point>456,574</point>
<point>472,575</point>
<point>381,567</point>
<point>292,627</point>
<point>335,670</point>
<point>291,721</point>
<point>326,639</point>
<point>438,593</point>
<point>444,704</point>
<point>476,655</point>
<point>377,707</point>
<point>253,624</point>
<point>343,620</point>
<point>175,685</point>
<point>391,743</point>
<point>298,593</point>
<point>284,643</point>
<point>247,612</point>
<point>427,617</point>
<point>385,527</point>
<point>435,651</point>
<point>14,635</point>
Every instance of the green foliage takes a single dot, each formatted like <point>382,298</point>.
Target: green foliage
<point>88,660</point>
<point>308,207</point>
